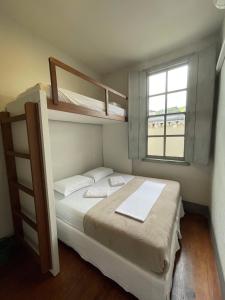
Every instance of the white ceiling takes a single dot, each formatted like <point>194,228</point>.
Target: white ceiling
<point>110,34</point>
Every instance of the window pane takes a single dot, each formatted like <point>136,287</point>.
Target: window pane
<point>156,125</point>
<point>155,146</point>
<point>175,146</point>
<point>176,102</point>
<point>157,105</point>
<point>175,124</point>
<point>177,78</point>
<point>157,83</point>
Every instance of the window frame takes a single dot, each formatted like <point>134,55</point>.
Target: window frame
<point>156,70</point>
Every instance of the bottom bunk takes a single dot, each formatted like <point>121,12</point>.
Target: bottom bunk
<point>123,268</point>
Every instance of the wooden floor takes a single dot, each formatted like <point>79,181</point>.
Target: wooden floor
<point>195,275</point>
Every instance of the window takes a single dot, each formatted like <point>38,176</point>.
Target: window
<point>167,97</point>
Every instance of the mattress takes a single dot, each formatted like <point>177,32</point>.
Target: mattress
<point>72,209</point>
<point>67,96</point>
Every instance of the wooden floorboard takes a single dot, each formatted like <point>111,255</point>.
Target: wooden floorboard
<point>195,275</point>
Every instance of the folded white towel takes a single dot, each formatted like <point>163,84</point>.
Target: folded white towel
<point>139,204</point>
<point>97,192</point>
<point>116,181</point>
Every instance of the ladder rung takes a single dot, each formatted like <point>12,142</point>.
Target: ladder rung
<point>23,188</point>
<point>14,119</point>
<point>26,219</point>
<point>18,154</point>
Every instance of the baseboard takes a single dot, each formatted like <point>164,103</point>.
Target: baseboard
<point>195,208</point>
<point>218,262</point>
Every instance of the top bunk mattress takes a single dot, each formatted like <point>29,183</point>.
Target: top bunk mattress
<point>67,96</point>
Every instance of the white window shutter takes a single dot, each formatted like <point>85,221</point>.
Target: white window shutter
<point>204,104</point>
<point>191,108</point>
<point>137,114</point>
<point>202,71</point>
<point>143,115</point>
<point>133,115</point>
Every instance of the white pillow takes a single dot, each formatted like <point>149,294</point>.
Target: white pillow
<point>69,185</point>
<point>98,173</point>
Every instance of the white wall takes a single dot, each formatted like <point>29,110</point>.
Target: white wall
<point>24,62</point>
<point>115,148</point>
<point>75,148</point>
<point>218,182</point>
<point>195,179</point>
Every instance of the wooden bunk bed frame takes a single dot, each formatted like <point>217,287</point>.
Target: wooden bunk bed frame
<point>35,155</point>
<point>55,104</point>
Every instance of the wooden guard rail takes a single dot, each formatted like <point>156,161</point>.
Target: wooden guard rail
<point>53,63</point>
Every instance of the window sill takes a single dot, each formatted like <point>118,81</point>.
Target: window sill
<point>167,161</point>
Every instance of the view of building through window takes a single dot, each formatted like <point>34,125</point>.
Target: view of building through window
<point>166,112</point>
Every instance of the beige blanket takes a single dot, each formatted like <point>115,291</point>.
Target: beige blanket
<point>145,244</point>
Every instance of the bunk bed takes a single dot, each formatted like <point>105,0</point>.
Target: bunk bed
<point>37,106</point>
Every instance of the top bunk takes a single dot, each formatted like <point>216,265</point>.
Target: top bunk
<point>70,102</point>
<point>65,105</point>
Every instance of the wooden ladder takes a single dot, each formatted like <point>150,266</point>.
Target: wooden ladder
<point>38,192</point>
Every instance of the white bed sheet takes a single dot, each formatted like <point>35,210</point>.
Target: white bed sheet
<point>84,101</point>
<point>72,209</point>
